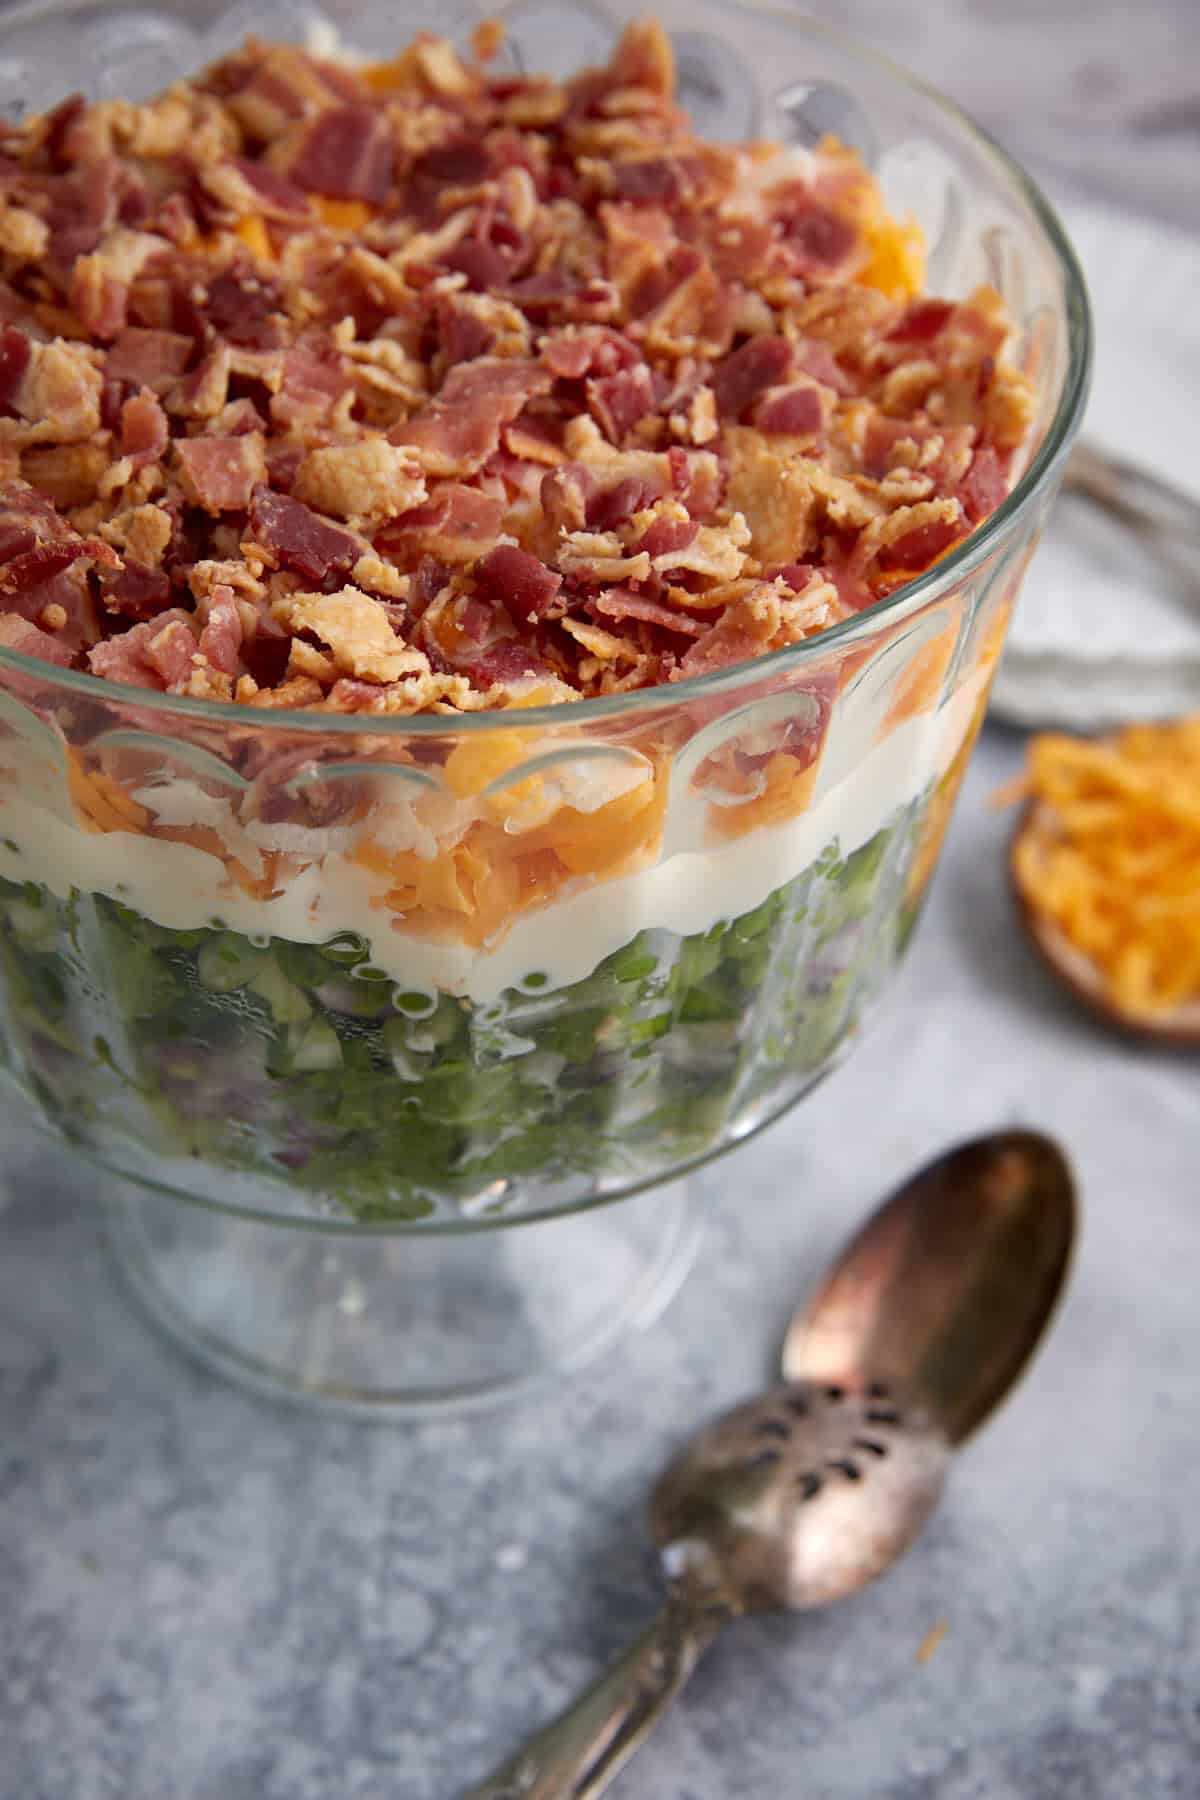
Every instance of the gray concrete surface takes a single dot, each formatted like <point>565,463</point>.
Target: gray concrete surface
<point>202,1598</point>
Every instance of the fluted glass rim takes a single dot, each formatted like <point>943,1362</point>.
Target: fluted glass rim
<point>934,584</point>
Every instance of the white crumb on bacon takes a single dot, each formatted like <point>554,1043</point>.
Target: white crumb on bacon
<point>360,482</point>
<point>357,631</point>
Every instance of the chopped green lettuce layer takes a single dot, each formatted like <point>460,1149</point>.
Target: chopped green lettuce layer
<point>307,1065</point>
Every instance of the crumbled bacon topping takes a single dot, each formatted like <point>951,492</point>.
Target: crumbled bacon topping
<point>398,387</point>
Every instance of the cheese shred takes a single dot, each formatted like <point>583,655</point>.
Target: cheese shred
<point>1111,855</point>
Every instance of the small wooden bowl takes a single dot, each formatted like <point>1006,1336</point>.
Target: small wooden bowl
<point>1181,1027</point>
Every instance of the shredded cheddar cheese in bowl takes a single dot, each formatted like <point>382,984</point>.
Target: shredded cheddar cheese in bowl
<point>1106,865</point>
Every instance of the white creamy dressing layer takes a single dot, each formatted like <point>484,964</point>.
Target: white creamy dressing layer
<point>862,781</point>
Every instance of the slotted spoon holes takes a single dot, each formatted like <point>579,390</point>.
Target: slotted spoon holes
<point>773,1428</point>
<point>871,1445</point>
<point>760,1459</point>
<point>821,1428</point>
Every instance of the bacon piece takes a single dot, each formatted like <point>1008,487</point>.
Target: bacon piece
<point>588,350</point>
<point>796,575</point>
<point>921,546</point>
<point>615,505</point>
<point>300,539</point>
<point>738,248</point>
<point>156,654</point>
<point>565,495</point>
<point>620,603</point>
<point>923,321</point>
<point>39,552</point>
<point>459,430</point>
<point>476,618</point>
<point>99,299</point>
<point>237,417</point>
<point>314,380</point>
<point>15,352</point>
<point>277,197</point>
<point>83,206</point>
<point>221,637</point>
<point>794,411</point>
<point>666,535</point>
<point>27,519</point>
<point>190,541</point>
<point>665,179</point>
<point>461,334</point>
<point>348,694</point>
<point>148,358</point>
<point>425,584</point>
<point>852,590</point>
<point>985,325</point>
<point>346,152</point>
<point>59,392</point>
<point>534,439</point>
<point>283,463</point>
<point>266,649</point>
<point>282,84</point>
<point>506,660</point>
<point>675,292</point>
<point>58,125</point>
<point>739,378</point>
<point>13,309</point>
<point>617,402</point>
<point>984,485</point>
<point>204,390</point>
<point>551,293</point>
<point>135,592</point>
<point>644,59</point>
<point>819,240</point>
<point>27,639</point>
<point>220,473</point>
<point>731,640</point>
<point>695,480</point>
<point>453,524</point>
<point>484,266</point>
<point>881,437</point>
<point>113,395</point>
<point>60,599</point>
<point>526,586</point>
<point>461,163</point>
<point>176,220</point>
<point>241,307</point>
<point>28,570</point>
<point>144,431</point>
<point>812,357</point>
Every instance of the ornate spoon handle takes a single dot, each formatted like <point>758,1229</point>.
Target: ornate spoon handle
<point>577,1756</point>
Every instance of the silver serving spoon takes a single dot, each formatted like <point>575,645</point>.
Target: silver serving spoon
<point>804,1495</point>
<point>1162,515</point>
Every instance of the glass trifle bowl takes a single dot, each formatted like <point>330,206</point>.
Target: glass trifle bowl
<point>366,1017</point>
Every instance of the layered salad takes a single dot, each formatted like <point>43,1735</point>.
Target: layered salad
<point>468,444</point>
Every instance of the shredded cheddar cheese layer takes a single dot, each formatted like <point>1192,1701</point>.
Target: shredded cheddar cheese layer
<point>1111,856</point>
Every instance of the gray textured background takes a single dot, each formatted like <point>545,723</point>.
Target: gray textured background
<point>205,1599</point>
